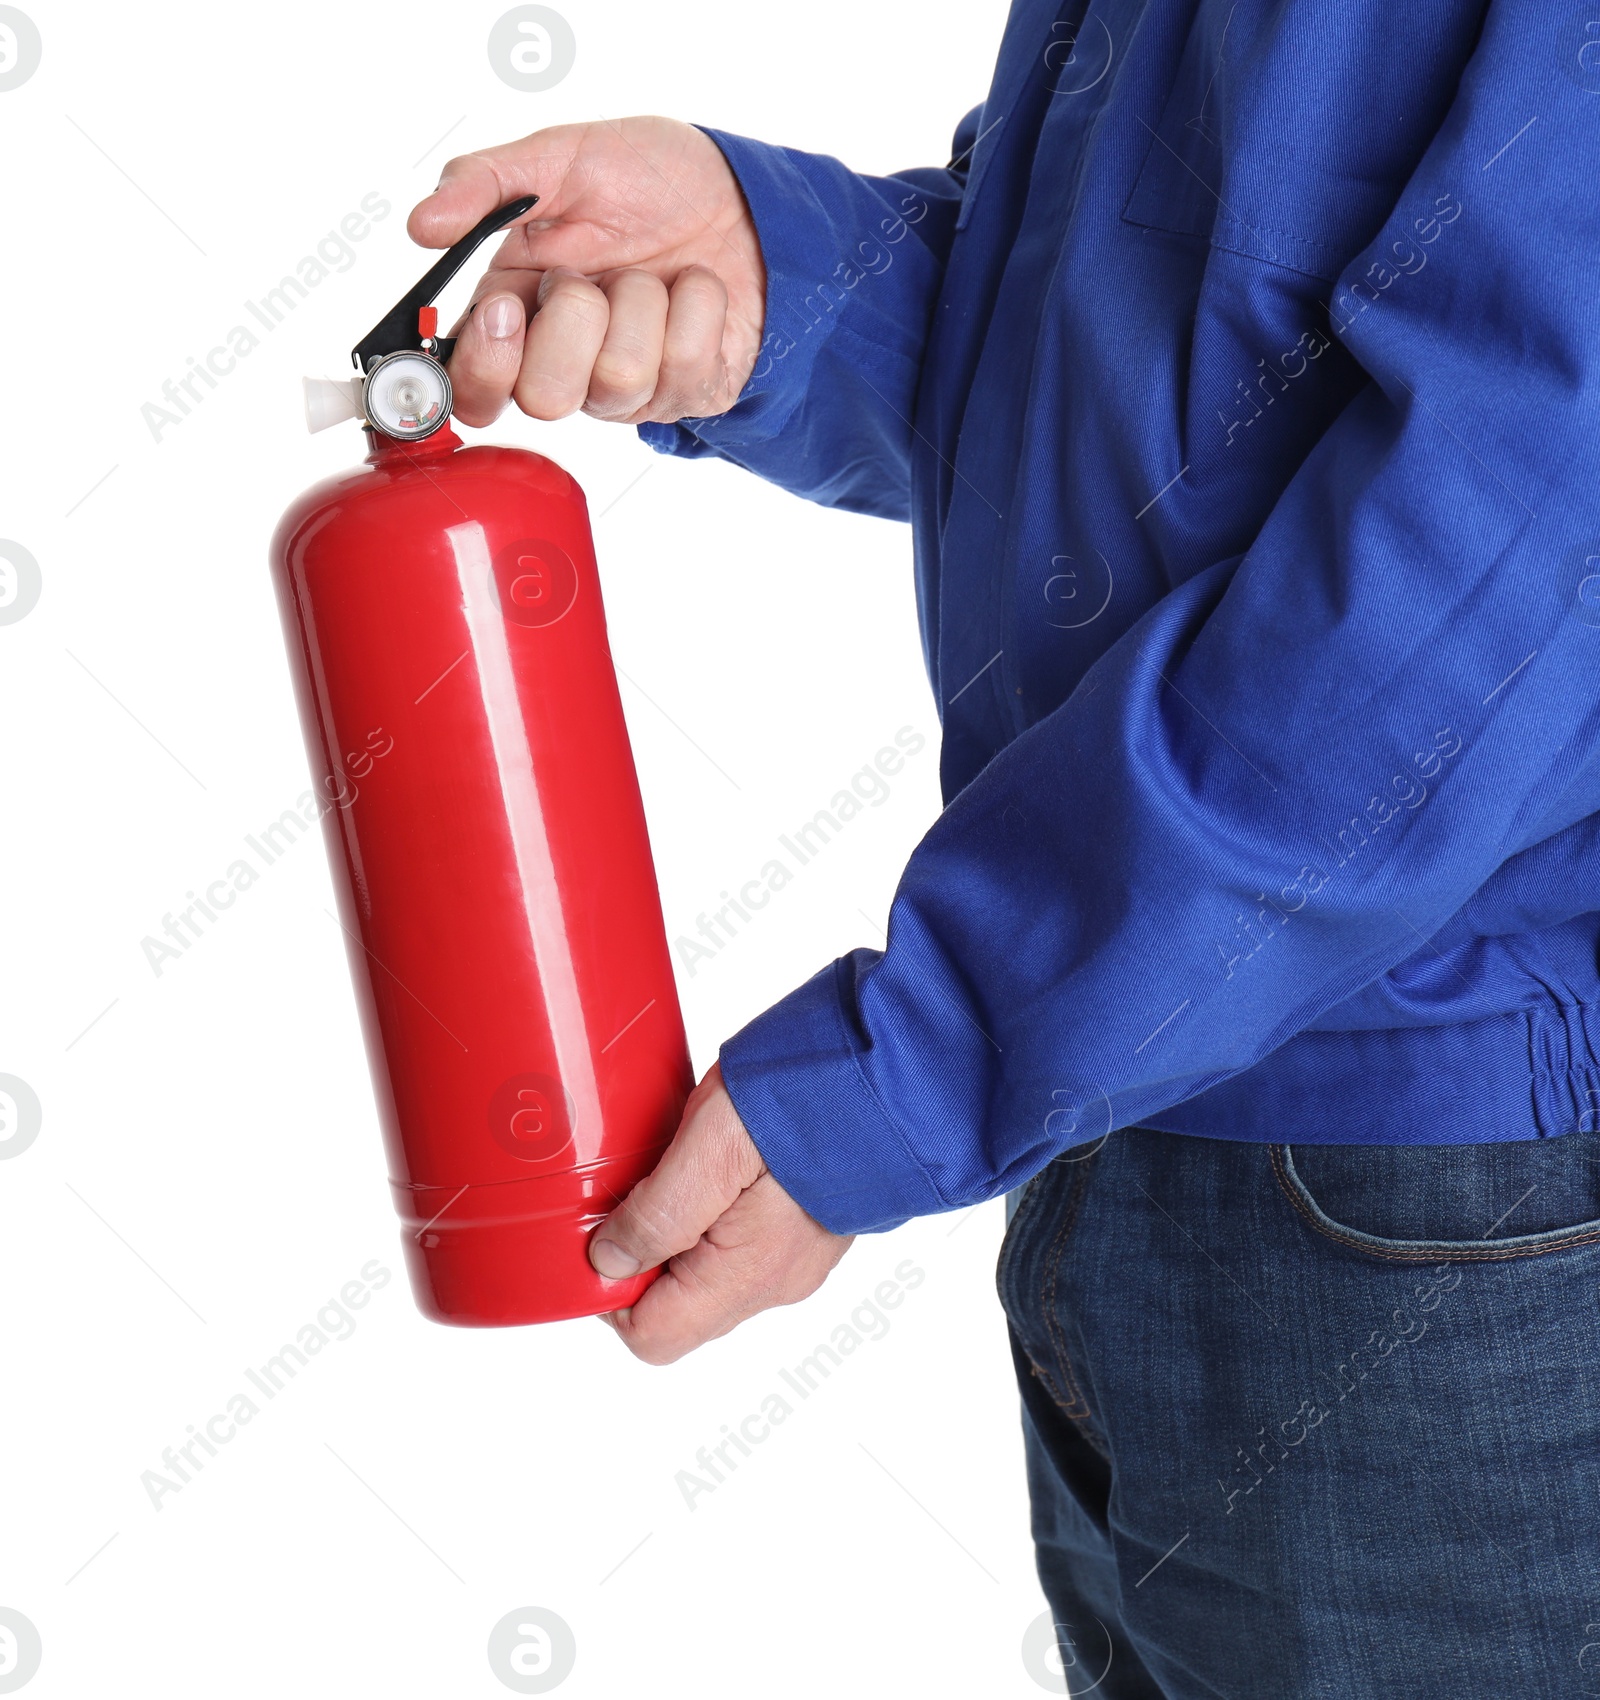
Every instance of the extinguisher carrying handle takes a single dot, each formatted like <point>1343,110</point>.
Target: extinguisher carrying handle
<point>397,329</point>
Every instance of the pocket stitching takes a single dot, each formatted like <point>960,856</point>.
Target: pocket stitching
<point>1315,257</point>
<point>1078,1406</point>
<point>1428,1251</point>
<point>1027,1208</point>
<point>1312,256</point>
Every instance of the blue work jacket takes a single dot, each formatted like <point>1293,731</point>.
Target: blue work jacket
<point>1240,380</point>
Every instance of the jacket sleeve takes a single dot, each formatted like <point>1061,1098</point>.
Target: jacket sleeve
<point>853,267</point>
<point>1283,779</point>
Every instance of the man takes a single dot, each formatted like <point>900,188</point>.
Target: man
<point>1240,377</point>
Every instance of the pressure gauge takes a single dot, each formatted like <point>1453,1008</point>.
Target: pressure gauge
<point>401,384</point>
<point>407,396</point>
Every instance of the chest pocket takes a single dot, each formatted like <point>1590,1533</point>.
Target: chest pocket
<point>1292,130</point>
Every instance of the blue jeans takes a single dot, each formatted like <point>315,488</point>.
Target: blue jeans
<point>1314,1422</point>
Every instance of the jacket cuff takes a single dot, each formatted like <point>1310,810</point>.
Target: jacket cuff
<point>794,228</point>
<point>795,1079</point>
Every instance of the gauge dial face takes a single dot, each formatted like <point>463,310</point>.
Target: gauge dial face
<point>407,396</point>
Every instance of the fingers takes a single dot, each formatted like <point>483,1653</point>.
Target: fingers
<point>628,365</point>
<point>693,377</point>
<point>622,311</point>
<point>562,343</point>
<point>488,351</point>
<point>763,1251</point>
<point>621,347</point>
<point>737,1242</point>
<point>660,356</point>
<point>708,1165</point>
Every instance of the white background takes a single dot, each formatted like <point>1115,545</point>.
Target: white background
<point>209,1170</point>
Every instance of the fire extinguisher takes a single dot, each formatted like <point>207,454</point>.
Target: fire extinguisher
<point>442,612</point>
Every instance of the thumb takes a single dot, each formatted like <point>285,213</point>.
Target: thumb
<point>710,1161</point>
<point>474,184</point>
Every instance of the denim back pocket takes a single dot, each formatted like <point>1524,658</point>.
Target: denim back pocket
<point>1428,1203</point>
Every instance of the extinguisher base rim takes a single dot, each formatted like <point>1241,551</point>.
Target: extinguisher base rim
<point>524,1265</point>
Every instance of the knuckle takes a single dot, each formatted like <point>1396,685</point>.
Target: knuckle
<point>703,280</point>
<point>620,376</point>
<point>542,396</point>
<point>647,1344</point>
<point>634,1236</point>
<point>577,298</point>
<point>637,278</point>
<point>656,1223</point>
<point>663,410</point>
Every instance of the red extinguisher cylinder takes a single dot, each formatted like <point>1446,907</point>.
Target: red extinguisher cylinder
<point>489,849</point>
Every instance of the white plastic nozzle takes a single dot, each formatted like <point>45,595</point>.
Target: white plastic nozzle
<point>330,401</point>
